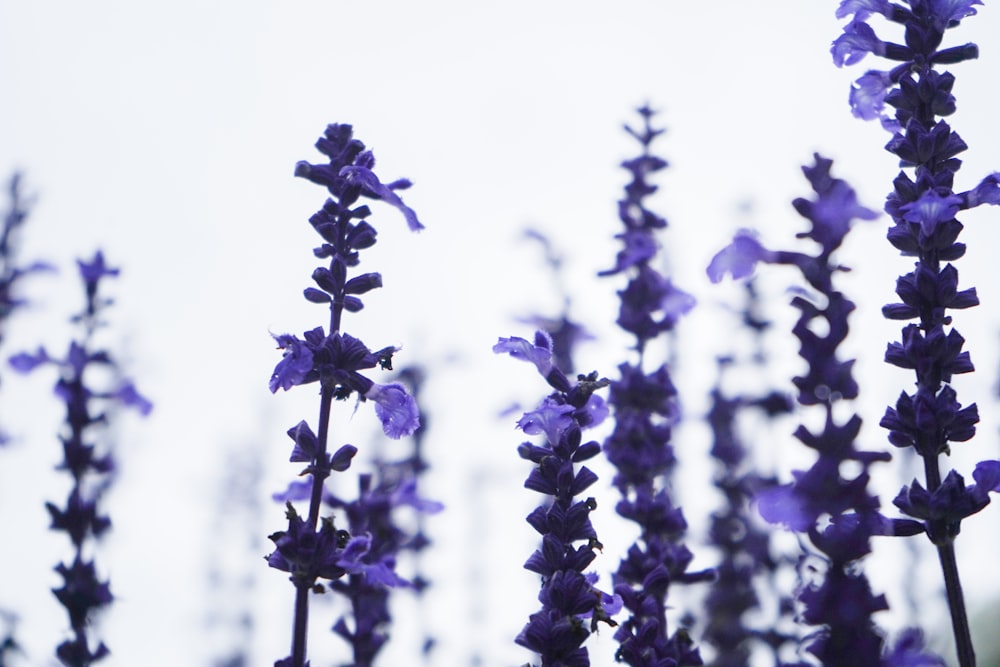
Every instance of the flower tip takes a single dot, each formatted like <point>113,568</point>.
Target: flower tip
<point>131,397</point>
<point>302,169</point>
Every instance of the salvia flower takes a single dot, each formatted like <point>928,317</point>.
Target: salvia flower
<point>645,410</point>
<point>12,272</point>
<point>744,545</point>
<point>571,604</point>
<point>923,207</point>
<point>369,558</point>
<point>86,458</point>
<point>374,514</point>
<point>339,363</point>
<point>834,509</point>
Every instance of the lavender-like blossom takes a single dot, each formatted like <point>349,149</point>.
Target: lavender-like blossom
<point>87,459</point>
<point>833,508</point>
<point>11,270</point>
<point>743,543</point>
<point>373,518</point>
<point>336,360</point>
<point>411,470</point>
<point>645,411</point>
<point>374,514</point>
<point>923,209</point>
<point>569,597</point>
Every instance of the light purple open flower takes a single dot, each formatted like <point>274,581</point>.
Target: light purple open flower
<point>396,409</point>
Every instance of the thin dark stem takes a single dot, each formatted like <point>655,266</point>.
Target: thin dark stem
<point>316,498</point>
<point>952,583</point>
<point>300,624</point>
<point>956,604</point>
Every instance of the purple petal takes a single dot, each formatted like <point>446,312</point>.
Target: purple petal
<point>369,181</point>
<point>295,364</point>
<point>739,258</point>
<point>25,362</point>
<point>987,475</point>
<point>397,409</point>
<point>521,349</point>
<point>129,396</point>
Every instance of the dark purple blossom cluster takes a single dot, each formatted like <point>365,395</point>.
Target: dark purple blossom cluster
<point>310,550</point>
<point>923,206</point>
<point>568,595</point>
<point>645,411</point>
<point>87,457</point>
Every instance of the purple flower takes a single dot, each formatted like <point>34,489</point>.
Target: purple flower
<point>909,651</point>
<point>862,9</point>
<point>87,405</point>
<point>398,411</point>
<point>11,270</point>
<point>943,508</point>
<point>25,362</point>
<point>558,631</point>
<point>857,41</point>
<point>335,360</point>
<point>948,13</point>
<point>987,192</point>
<point>645,410</point>
<point>551,418</point>
<point>95,269</point>
<point>374,188</point>
<point>538,353</point>
<point>739,258</point>
<point>129,396</point>
<point>834,509</point>
<point>987,475</point>
<point>307,554</point>
<point>930,210</point>
<point>296,363</point>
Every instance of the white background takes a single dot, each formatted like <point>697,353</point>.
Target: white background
<point>166,134</point>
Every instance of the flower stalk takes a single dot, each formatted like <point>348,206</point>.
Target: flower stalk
<point>923,208</point>
<point>310,550</point>
<point>87,457</point>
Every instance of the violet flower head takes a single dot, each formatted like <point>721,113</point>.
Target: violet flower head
<point>833,508</point>
<point>923,207</point>
<point>650,303</point>
<point>374,514</point>
<point>367,552</point>
<point>568,595</point>
<point>744,545</point>
<point>645,410</point>
<point>87,458</point>
<point>12,272</point>
<point>340,364</point>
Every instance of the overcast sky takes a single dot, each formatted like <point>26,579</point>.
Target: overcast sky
<point>166,134</point>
